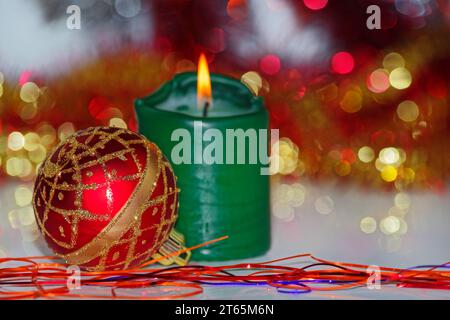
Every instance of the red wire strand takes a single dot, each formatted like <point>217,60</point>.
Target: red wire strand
<point>46,278</point>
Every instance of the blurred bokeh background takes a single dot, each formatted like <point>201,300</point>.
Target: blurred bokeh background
<point>363,114</point>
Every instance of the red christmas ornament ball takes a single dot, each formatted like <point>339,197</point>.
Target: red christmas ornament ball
<point>106,199</point>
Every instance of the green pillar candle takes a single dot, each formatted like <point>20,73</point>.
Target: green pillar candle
<point>215,199</point>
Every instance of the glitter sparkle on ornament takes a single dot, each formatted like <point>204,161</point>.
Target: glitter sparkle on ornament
<point>105,184</point>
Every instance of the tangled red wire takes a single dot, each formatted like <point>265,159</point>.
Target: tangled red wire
<point>45,277</point>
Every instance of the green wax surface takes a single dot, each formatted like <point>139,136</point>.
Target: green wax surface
<point>230,97</point>
<point>218,199</point>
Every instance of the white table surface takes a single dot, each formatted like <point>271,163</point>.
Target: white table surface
<point>335,236</point>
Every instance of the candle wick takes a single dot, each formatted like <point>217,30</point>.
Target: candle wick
<point>205,109</point>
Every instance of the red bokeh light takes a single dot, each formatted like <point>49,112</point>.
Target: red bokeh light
<point>378,81</point>
<point>97,105</point>
<point>270,64</point>
<point>348,155</point>
<point>315,4</point>
<point>24,77</point>
<point>342,63</point>
<point>237,9</point>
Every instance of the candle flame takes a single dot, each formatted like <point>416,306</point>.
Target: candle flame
<point>204,91</point>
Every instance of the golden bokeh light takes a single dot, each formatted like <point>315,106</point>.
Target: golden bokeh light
<point>324,205</point>
<point>389,155</point>
<point>389,173</point>
<point>368,225</point>
<point>65,130</point>
<point>38,155</point>
<point>30,92</point>
<point>402,155</point>
<point>366,154</point>
<point>351,102</point>
<point>32,141</point>
<point>13,218</point>
<point>390,225</point>
<point>16,141</point>
<point>294,194</point>
<point>287,166</point>
<point>19,167</point>
<point>393,60</point>
<point>301,168</point>
<point>298,195</point>
<point>275,164</point>
<point>408,175</point>
<point>396,211</point>
<point>23,196</point>
<point>13,167</point>
<point>118,123</point>
<point>27,168</point>
<point>280,193</point>
<point>253,81</point>
<point>379,165</point>
<point>343,168</point>
<point>400,78</point>
<point>26,216</point>
<point>283,211</point>
<point>284,158</point>
<point>47,134</point>
<point>402,201</point>
<point>28,112</point>
<point>403,227</point>
<point>408,111</point>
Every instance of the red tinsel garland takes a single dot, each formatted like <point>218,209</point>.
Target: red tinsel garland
<point>48,279</point>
